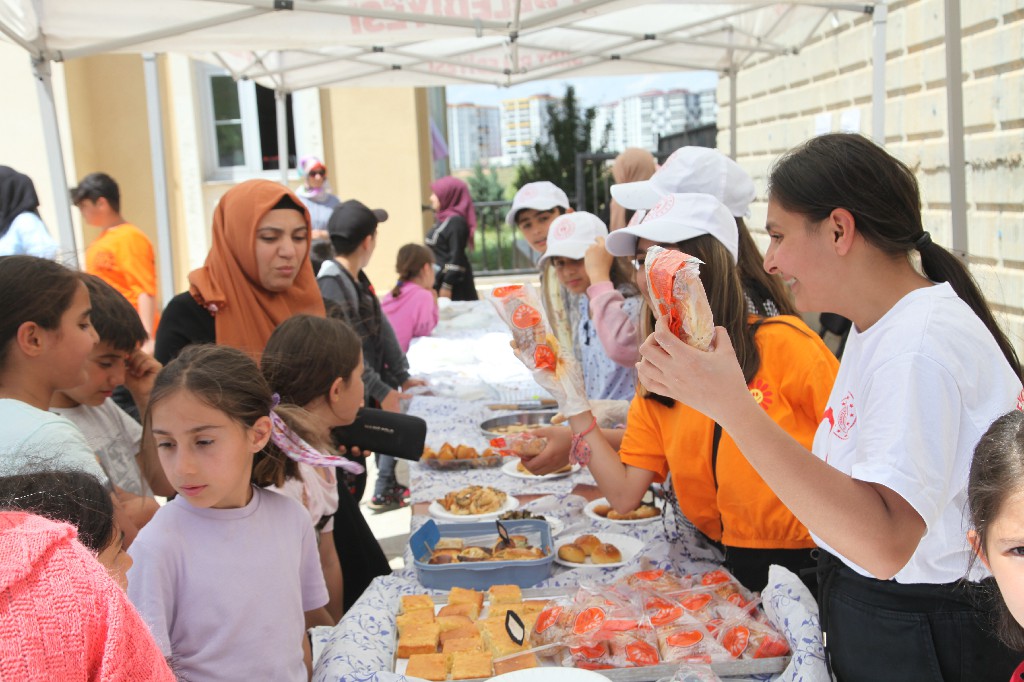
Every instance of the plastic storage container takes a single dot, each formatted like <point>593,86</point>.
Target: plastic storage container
<point>480,575</point>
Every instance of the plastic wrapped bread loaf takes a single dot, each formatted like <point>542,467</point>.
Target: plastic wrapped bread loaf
<point>553,367</point>
<point>673,280</point>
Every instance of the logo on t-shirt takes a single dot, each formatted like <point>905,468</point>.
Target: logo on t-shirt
<point>1020,401</point>
<point>762,393</point>
<point>842,423</point>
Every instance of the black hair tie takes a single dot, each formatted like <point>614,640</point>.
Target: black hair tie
<point>922,240</point>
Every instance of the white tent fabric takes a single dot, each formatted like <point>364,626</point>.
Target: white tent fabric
<point>295,44</point>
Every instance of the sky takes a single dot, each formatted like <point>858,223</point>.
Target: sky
<point>591,91</point>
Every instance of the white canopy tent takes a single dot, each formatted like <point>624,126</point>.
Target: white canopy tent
<point>289,45</point>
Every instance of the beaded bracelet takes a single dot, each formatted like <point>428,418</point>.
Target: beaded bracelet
<point>579,451</point>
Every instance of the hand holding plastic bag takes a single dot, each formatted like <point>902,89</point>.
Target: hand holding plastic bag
<point>536,347</point>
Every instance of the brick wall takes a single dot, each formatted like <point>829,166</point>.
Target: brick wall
<point>782,101</point>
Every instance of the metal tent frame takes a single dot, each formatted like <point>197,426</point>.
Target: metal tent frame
<point>289,45</point>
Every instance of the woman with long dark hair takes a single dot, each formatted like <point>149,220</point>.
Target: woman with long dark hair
<point>926,370</point>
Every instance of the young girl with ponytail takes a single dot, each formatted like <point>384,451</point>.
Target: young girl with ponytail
<point>926,370</point>
<point>226,575</point>
<point>411,307</point>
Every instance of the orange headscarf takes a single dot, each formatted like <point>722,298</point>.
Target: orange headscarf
<point>632,165</point>
<point>228,285</point>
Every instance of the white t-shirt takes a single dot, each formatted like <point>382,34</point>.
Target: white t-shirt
<point>225,591</point>
<point>34,440</point>
<point>115,438</point>
<point>318,494</point>
<point>914,394</point>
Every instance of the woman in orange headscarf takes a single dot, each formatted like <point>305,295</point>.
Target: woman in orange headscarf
<point>256,275</point>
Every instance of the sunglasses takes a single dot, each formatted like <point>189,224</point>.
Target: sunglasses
<point>318,172</point>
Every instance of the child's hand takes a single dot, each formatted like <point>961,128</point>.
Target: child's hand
<point>138,379</point>
<point>391,401</point>
<point>410,383</point>
<point>598,262</point>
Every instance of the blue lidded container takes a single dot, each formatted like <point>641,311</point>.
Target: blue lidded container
<point>480,575</point>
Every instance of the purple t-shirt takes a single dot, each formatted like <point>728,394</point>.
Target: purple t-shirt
<point>225,591</point>
<point>412,314</point>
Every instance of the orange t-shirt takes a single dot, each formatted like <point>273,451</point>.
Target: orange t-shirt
<point>793,385</point>
<point>123,257</point>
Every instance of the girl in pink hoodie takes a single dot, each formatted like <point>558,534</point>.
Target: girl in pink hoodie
<point>411,307</point>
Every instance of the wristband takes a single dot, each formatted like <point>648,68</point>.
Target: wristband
<point>579,451</point>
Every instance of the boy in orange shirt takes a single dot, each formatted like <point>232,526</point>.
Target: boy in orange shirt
<point>122,256</point>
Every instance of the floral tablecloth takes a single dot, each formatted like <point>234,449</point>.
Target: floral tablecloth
<point>361,646</point>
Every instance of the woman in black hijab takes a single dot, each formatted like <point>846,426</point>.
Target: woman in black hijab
<point>21,229</point>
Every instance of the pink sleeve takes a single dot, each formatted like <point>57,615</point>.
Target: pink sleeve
<point>615,327</point>
<point>427,319</point>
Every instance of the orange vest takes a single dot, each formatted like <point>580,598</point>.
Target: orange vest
<point>792,385</point>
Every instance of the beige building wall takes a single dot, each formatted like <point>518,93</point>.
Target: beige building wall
<point>110,133</point>
<point>377,148</point>
<point>22,146</point>
<point>782,101</point>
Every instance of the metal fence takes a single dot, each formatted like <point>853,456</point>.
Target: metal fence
<point>500,250</point>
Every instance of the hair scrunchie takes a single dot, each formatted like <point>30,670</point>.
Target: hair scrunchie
<point>292,445</point>
<point>922,240</point>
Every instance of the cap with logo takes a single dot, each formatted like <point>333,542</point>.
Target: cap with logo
<point>676,218</point>
<point>570,235</point>
<point>353,221</point>
<point>692,169</point>
<point>540,196</point>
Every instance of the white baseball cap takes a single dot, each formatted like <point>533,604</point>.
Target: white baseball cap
<point>540,196</point>
<point>570,235</point>
<point>692,169</point>
<point>676,218</point>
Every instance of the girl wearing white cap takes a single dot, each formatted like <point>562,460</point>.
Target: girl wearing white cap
<point>786,368</point>
<point>702,170</point>
<point>608,305</point>
<point>925,372</point>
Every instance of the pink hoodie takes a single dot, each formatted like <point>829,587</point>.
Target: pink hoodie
<point>61,616</point>
<point>413,313</point>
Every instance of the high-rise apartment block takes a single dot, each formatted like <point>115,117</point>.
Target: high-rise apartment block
<point>523,123</point>
<point>639,120</point>
<point>474,135</point>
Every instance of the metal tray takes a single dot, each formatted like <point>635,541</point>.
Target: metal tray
<point>650,673</point>
<point>535,419</point>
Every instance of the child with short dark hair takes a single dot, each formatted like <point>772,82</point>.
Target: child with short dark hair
<point>115,437</point>
<point>122,255</point>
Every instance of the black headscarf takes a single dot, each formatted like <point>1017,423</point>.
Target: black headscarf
<point>17,195</point>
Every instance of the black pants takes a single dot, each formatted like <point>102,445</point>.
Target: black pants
<point>883,630</point>
<point>750,566</point>
<point>359,553</point>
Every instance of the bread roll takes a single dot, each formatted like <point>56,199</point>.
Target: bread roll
<point>606,554</point>
<point>587,543</point>
<point>572,553</point>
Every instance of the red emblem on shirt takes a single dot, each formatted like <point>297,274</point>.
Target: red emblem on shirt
<point>1020,401</point>
<point>845,420</point>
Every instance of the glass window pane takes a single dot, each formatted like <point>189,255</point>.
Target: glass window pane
<point>225,98</point>
<point>229,145</point>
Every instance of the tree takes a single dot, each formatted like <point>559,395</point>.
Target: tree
<point>569,132</point>
<point>484,186</point>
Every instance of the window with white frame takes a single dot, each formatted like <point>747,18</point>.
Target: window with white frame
<point>240,123</point>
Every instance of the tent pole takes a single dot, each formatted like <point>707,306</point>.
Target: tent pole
<point>282,134</point>
<point>55,161</point>
<point>154,109</point>
<point>955,115</point>
<point>878,20</point>
<point>732,101</point>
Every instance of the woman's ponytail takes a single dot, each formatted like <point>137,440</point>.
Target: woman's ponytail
<point>939,265</point>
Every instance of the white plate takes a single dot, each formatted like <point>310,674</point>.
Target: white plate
<point>589,511</point>
<point>511,469</point>
<point>438,512</point>
<point>628,546</point>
